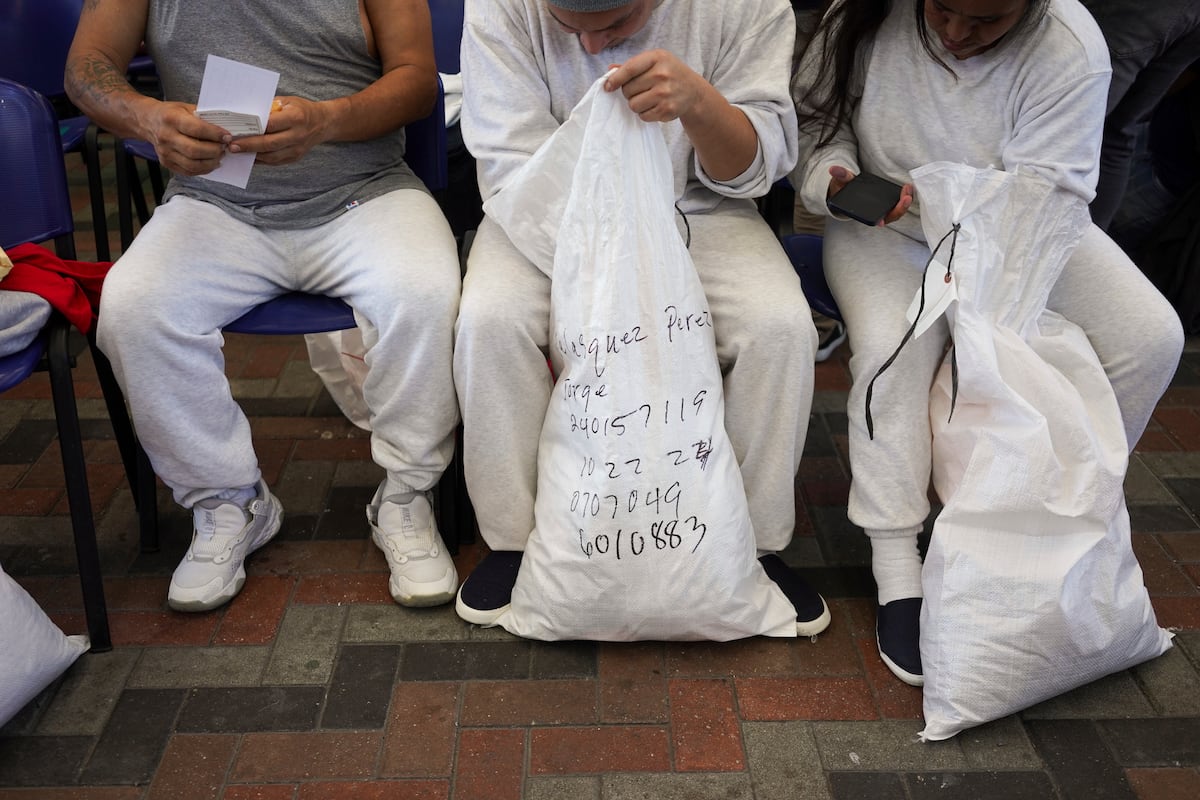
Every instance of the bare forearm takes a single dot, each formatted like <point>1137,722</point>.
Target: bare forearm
<point>401,96</point>
<point>101,91</point>
<point>722,135</point>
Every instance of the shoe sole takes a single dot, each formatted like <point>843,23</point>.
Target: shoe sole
<point>475,616</point>
<point>813,627</point>
<point>434,597</point>
<point>897,670</point>
<point>231,589</point>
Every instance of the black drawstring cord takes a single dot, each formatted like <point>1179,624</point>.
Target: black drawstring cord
<point>952,234</point>
<point>687,227</point>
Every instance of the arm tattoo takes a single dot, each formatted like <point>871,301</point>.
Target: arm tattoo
<point>97,78</point>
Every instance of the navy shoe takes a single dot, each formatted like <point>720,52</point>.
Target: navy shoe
<point>486,593</point>
<point>898,636</point>
<point>812,615</point>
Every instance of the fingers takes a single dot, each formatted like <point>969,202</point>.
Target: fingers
<point>657,85</point>
<point>838,178</point>
<point>906,199</point>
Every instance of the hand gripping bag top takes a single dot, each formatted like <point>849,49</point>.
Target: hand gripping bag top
<point>1031,585</point>
<point>641,525</point>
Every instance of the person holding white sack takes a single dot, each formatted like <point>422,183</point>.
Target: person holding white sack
<point>1017,85</point>
<point>715,75</point>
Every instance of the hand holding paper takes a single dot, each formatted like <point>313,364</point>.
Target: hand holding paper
<point>240,94</point>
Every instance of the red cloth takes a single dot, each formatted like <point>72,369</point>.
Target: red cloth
<point>71,287</point>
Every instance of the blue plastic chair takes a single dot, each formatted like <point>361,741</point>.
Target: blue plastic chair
<point>34,40</point>
<point>804,251</point>
<point>300,313</point>
<point>35,207</point>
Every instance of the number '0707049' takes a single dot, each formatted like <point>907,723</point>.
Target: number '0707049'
<point>594,504</point>
<point>666,534</point>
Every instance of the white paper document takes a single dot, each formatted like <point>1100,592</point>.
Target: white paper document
<point>240,95</point>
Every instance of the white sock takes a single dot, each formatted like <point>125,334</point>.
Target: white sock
<point>896,564</point>
<point>240,497</point>
<point>395,486</point>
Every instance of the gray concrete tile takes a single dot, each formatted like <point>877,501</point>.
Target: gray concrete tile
<point>305,646</point>
<point>358,473</point>
<point>252,387</point>
<point>393,623</point>
<point>134,739</point>
<point>456,661</point>
<point>980,786</point>
<point>890,745</point>
<point>587,788</point>
<point>863,785</point>
<point>251,709</point>
<point>1081,763</point>
<point>297,380</point>
<point>784,761</point>
<point>1143,486</point>
<point>562,660</point>
<point>42,760</point>
<point>88,693</point>
<point>1172,465</point>
<point>676,786</point>
<point>361,687</point>
<point>1170,742</point>
<point>999,745</point>
<point>187,667</point>
<point>1171,683</point>
<point>1115,696</point>
<point>303,486</point>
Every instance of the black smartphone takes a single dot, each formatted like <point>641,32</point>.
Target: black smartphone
<point>866,198</point>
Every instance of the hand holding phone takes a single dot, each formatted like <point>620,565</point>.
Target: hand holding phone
<point>866,198</point>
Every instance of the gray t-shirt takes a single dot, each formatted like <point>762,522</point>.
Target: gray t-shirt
<point>319,49</point>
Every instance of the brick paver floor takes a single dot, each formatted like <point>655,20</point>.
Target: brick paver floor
<point>313,685</point>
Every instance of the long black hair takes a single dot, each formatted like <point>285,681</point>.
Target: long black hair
<point>844,28</point>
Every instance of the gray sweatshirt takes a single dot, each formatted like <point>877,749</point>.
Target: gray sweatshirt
<point>1036,101</point>
<point>522,75</point>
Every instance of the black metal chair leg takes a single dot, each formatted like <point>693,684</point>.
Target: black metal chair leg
<point>83,526</point>
<point>91,159</point>
<point>138,471</point>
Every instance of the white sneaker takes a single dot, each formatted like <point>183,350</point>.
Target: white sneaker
<point>213,572</point>
<point>422,572</point>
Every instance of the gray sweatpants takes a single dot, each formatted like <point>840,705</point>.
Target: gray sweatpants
<point>193,269</point>
<point>765,345</point>
<point>874,273</point>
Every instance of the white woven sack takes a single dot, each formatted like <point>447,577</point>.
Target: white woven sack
<point>1031,585</point>
<point>33,651</point>
<point>642,529</point>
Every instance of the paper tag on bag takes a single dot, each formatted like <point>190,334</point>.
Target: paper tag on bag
<point>941,289</point>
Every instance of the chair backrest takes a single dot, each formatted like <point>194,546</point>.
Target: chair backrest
<point>35,203</point>
<point>804,251</point>
<point>425,139</point>
<point>35,36</point>
<point>447,33</point>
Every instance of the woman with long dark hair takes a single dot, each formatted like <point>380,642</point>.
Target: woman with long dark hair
<point>884,88</point>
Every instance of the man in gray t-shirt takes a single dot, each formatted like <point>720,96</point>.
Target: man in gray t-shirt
<point>330,207</point>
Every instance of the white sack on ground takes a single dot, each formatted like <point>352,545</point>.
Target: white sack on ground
<point>642,529</point>
<point>33,651</point>
<point>1031,585</point>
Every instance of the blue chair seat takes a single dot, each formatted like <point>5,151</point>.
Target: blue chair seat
<point>295,313</point>
<point>16,367</point>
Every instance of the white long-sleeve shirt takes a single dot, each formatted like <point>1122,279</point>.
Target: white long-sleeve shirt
<point>1035,101</point>
<point>522,75</point>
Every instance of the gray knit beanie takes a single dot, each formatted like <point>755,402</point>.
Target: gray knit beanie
<point>588,5</point>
